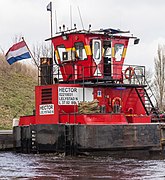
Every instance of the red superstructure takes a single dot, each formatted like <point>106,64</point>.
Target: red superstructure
<point>89,67</point>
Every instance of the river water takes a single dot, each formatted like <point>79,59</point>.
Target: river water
<point>51,166</point>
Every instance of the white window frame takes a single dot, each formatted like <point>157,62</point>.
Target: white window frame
<point>97,52</point>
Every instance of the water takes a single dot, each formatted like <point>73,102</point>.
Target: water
<point>51,166</point>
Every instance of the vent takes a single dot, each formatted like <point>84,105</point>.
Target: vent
<point>46,96</point>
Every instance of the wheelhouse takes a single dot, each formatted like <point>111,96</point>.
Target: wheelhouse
<point>90,56</point>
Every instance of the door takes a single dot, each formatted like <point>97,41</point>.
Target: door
<point>97,57</point>
<point>107,52</point>
<point>119,47</point>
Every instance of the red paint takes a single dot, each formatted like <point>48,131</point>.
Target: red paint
<point>27,120</point>
<point>46,119</point>
<point>139,119</point>
<point>93,119</point>
<point>120,105</point>
<point>86,68</point>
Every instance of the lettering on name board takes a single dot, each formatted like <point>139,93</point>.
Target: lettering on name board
<point>46,109</point>
<point>69,95</point>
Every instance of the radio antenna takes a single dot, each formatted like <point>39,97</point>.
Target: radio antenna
<point>70,16</point>
<point>56,21</point>
<point>80,17</point>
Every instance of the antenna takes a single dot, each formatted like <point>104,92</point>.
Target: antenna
<point>90,27</point>
<point>60,28</point>
<point>56,21</point>
<point>63,27</point>
<point>80,18</point>
<point>75,26</point>
<point>70,17</point>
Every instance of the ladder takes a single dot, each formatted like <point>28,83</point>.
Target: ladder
<point>33,141</point>
<point>147,88</point>
<point>145,99</point>
<point>69,140</point>
<point>145,94</point>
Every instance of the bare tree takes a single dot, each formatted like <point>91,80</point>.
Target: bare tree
<point>2,51</point>
<point>41,50</point>
<point>149,76</point>
<point>17,38</point>
<point>159,79</point>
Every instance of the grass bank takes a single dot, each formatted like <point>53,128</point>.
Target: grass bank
<point>17,83</point>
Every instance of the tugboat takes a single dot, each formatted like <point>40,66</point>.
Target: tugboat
<point>89,101</point>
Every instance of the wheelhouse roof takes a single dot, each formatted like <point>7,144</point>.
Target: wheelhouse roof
<point>108,33</point>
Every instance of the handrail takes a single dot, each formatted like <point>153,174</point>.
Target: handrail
<point>91,73</point>
<point>148,89</point>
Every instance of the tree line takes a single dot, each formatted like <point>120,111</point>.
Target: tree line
<point>159,77</point>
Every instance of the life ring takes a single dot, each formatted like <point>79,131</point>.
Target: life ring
<point>116,99</point>
<point>131,110</point>
<point>130,71</point>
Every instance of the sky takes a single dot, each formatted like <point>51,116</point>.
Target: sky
<point>143,18</point>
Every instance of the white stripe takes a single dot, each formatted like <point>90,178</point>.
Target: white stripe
<point>17,52</point>
<point>75,68</point>
<point>97,72</point>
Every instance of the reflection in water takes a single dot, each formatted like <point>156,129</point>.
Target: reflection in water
<point>43,166</point>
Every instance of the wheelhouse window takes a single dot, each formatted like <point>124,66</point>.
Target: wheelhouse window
<point>97,50</point>
<point>119,48</point>
<point>61,52</point>
<point>80,51</point>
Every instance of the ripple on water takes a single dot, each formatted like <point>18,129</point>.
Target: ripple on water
<point>42,166</point>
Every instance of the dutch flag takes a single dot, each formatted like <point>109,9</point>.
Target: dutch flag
<point>17,52</point>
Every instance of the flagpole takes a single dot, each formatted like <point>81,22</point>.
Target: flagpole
<point>33,59</point>
<point>51,21</point>
<point>49,8</point>
<point>51,24</point>
<point>56,21</point>
<point>30,53</point>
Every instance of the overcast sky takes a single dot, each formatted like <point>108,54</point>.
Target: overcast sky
<point>144,19</point>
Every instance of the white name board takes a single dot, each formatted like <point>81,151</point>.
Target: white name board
<point>46,109</point>
<point>73,95</point>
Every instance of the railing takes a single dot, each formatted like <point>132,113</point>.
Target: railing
<point>149,90</point>
<point>126,74</point>
<point>133,74</point>
<point>120,74</point>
